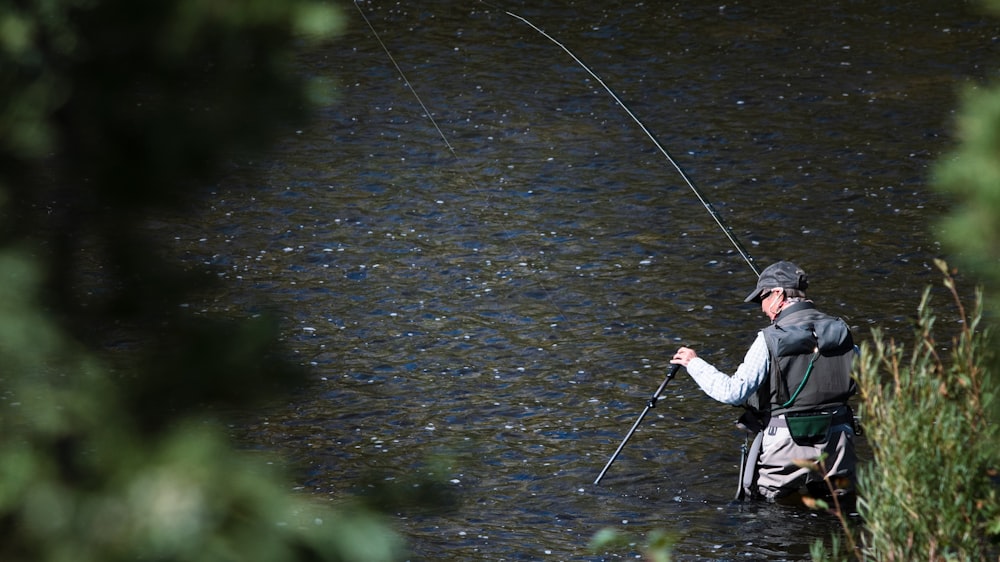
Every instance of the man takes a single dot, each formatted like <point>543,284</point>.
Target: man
<point>795,382</point>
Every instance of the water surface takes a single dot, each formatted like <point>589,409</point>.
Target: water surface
<point>508,296</point>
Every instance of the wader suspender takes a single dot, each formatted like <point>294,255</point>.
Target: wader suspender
<point>805,377</point>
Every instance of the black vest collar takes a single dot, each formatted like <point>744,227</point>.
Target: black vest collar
<point>790,310</point>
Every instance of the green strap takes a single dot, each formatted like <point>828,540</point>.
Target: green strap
<point>803,383</point>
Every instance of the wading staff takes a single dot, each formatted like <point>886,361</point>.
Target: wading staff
<point>652,404</point>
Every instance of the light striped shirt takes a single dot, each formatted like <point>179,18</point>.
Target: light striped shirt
<point>737,388</point>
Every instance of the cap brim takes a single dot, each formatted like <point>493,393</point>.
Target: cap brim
<point>754,296</point>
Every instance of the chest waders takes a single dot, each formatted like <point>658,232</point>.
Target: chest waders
<point>809,361</point>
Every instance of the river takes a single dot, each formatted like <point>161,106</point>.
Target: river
<point>500,288</point>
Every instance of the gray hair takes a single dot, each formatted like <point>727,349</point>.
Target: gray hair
<point>794,294</point>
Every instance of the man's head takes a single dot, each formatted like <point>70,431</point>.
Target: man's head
<point>782,275</point>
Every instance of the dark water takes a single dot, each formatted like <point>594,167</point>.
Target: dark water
<point>509,299</point>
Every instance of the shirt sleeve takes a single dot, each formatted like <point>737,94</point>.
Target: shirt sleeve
<point>734,390</point>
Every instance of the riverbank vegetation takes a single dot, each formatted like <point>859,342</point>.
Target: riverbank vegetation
<point>930,407</point>
<point>928,493</point>
<point>114,111</point>
<point>931,411</point>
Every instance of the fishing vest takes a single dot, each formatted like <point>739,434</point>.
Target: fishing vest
<point>810,363</point>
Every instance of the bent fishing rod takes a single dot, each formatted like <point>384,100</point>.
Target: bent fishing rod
<point>708,207</point>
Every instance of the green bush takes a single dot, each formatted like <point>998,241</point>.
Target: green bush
<point>931,413</point>
<point>928,493</point>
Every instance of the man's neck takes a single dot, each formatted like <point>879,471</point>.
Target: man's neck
<point>788,307</point>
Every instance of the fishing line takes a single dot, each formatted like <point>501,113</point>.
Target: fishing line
<point>451,149</point>
<point>406,81</point>
<point>708,206</point>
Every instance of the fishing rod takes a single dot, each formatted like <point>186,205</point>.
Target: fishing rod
<point>708,206</point>
<point>649,405</point>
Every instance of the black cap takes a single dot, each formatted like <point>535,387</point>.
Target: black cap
<point>784,275</point>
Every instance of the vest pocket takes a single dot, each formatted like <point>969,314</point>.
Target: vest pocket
<point>809,428</point>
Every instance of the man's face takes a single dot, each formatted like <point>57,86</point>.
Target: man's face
<point>769,303</point>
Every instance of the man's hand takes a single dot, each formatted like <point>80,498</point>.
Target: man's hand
<point>683,356</point>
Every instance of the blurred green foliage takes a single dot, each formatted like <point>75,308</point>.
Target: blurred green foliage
<point>971,175</point>
<point>658,544</point>
<point>114,111</point>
